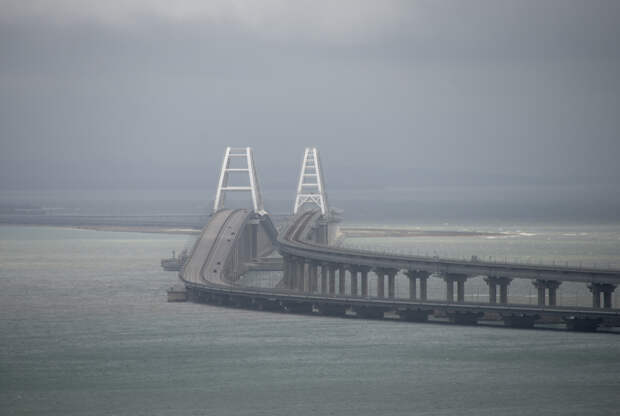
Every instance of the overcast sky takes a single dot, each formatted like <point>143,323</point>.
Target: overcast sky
<point>146,94</point>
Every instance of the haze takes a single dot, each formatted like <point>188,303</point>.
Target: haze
<point>400,94</point>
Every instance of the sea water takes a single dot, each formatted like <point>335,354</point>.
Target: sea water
<point>85,329</point>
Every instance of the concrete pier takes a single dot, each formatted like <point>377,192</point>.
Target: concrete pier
<point>313,272</point>
<point>380,283</point>
<point>412,275</point>
<point>604,289</point>
<point>459,279</point>
<point>353,273</point>
<point>503,283</point>
<point>324,278</point>
<point>391,274</point>
<point>423,291</point>
<point>332,279</point>
<point>364,278</point>
<point>547,286</point>
<point>300,275</point>
<point>342,273</point>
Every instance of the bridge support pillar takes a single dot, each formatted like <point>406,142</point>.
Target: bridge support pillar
<point>492,289</point>
<point>541,293</point>
<point>598,289</point>
<point>503,283</point>
<point>364,279</point>
<point>547,285</point>
<point>253,238</point>
<point>380,283</point>
<point>332,279</point>
<point>553,290</point>
<point>353,272</point>
<point>299,275</point>
<point>460,290</point>
<point>423,292</point>
<point>450,279</point>
<point>313,277</point>
<point>341,279</point>
<point>288,272</point>
<point>391,274</point>
<point>324,277</point>
<point>450,290</point>
<point>412,276</point>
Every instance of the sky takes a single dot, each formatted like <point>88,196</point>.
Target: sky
<point>137,94</point>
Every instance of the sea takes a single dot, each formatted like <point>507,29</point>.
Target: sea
<point>85,329</point>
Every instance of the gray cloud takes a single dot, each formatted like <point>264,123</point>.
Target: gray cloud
<point>144,94</point>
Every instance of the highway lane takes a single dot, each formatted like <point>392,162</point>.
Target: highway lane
<point>212,248</point>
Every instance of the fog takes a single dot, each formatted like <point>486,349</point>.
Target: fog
<point>466,99</point>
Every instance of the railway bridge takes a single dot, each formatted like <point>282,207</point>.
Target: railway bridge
<point>329,280</point>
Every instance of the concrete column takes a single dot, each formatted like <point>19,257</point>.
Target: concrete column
<point>450,278</point>
<point>596,295</point>
<point>288,272</point>
<point>492,290</point>
<point>307,278</point>
<point>423,291</point>
<point>391,274</point>
<point>460,290</point>
<point>607,300</point>
<point>412,285</point>
<point>380,283</point>
<point>540,287</point>
<point>553,287</point>
<point>503,292</point>
<point>353,272</point>
<point>253,238</point>
<point>493,282</point>
<point>341,279</point>
<point>599,289</point>
<point>332,279</point>
<point>313,274</point>
<point>449,290</point>
<point>299,275</point>
<point>364,272</point>
<point>324,274</point>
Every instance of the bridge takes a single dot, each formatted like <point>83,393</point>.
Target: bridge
<point>321,278</point>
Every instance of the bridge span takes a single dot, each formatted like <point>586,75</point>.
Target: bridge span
<point>334,281</point>
<point>322,278</point>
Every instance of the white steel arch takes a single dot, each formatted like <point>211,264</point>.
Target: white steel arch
<point>223,183</point>
<point>311,188</point>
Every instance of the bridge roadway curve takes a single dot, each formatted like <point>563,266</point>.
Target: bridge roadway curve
<point>211,250</point>
<point>205,281</point>
<point>291,243</point>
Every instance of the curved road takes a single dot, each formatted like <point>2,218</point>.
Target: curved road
<point>212,248</point>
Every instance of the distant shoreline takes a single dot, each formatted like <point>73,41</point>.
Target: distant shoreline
<point>346,232</point>
<point>373,232</point>
<point>115,228</point>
